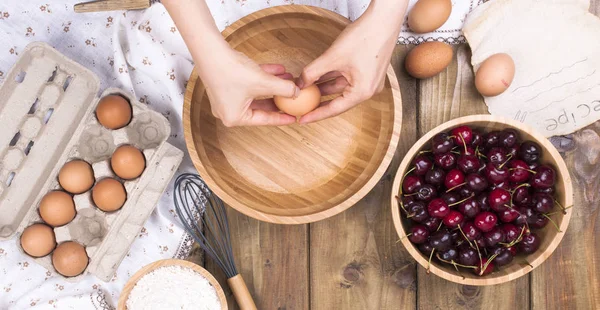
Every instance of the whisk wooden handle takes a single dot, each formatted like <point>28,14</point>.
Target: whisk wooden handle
<point>241,293</point>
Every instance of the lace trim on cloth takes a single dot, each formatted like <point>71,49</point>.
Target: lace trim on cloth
<point>100,302</point>
<point>418,40</point>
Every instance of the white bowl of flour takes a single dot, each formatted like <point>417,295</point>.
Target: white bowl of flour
<point>172,284</point>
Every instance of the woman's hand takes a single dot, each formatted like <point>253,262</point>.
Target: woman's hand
<point>356,64</point>
<point>233,81</point>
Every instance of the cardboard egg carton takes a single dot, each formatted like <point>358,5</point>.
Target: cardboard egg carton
<point>47,114</point>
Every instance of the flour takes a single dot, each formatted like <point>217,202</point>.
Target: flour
<point>173,287</point>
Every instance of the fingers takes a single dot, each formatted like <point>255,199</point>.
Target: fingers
<point>329,76</point>
<point>273,69</point>
<point>274,86</point>
<point>314,71</point>
<point>335,107</point>
<point>286,76</point>
<point>335,86</point>
<point>266,118</point>
<point>264,104</point>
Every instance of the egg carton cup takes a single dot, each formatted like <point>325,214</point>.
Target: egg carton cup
<point>47,114</point>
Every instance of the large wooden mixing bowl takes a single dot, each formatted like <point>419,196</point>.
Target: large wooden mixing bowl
<point>300,173</point>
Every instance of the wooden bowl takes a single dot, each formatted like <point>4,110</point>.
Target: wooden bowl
<point>122,305</point>
<point>299,173</point>
<point>550,236</point>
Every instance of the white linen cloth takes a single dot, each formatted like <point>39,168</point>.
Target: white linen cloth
<point>143,53</point>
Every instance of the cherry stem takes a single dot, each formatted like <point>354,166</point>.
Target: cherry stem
<point>403,237</point>
<point>459,202</point>
<point>506,161</point>
<point>457,186</point>
<point>516,240</point>
<point>465,236</point>
<point>479,253</point>
<point>429,262</point>
<point>487,264</point>
<point>521,168</point>
<point>408,172</point>
<point>564,210</point>
<point>464,142</point>
<point>426,151</point>
<point>454,263</point>
<point>401,204</point>
<point>408,195</point>
<point>553,222</point>
<point>439,226</point>
<point>455,152</point>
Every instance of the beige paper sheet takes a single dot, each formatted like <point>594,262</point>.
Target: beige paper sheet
<point>556,48</point>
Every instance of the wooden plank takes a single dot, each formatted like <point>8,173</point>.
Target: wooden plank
<point>573,271</point>
<point>272,259</point>
<point>355,261</point>
<point>447,96</point>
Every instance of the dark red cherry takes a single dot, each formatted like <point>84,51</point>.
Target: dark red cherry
<point>522,196</point>
<point>511,232</point>
<point>466,192</point>
<point>449,255</point>
<point>491,139</point>
<point>503,256</point>
<point>438,208</point>
<point>470,208</point>
<point>476,182</point>
<point>524,215</point>
<point>408,200</point>
<point>484,202</point>
<point>454,178</point>
<point>486,265</point>
<point>422,164</point>
<point>504,185</point>
<point>432,223</point>
<point>543,203</point>
<point>471,232</point>
<point>426,248</point>
<point>496,175</point>
<point>508,137</point>
<point>530,243</point>
<point>457,237</point>
<point>426,193</point>
<point>453,219</point>
<point>537,221</point>
<point>451,198</point>
<point>493,237</point>
<point>411,184</point>
<point>530,152</point>
<point>499,199</point>
<point>518,171</point>
<point>513,151</point>
<point>462,135</point>
<point>512,250</point>
<point>497,156</point>
<point>480,243</point>
<point>445,161</point>
<point>435,176</point>
<point>485,221</point>
<point>441,240</point>
<point>417,212</point>
<point>549,190</point>
<point>533,166</point>
<point>442,143</point>
<point>418,234</point>
<point>508,215</point>
<point>544,177</point>
<point>467,256</point>
<point>468,163</point>
<point>477,138</point>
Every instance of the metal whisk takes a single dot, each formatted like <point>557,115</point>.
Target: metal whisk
<point>204,216</point>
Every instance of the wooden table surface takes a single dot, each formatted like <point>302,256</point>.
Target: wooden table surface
<point>353,260</point>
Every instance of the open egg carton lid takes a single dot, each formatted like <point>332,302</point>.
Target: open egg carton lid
<point>47,105</point>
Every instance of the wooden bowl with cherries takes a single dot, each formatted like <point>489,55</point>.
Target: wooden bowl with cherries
<point>482,200</point>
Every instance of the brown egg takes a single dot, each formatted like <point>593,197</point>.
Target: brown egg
<point>428,59</point>
<point>128,162</point>
<point>38,240</point>
<point>429,15</point>
<point>109,195</point>
<point>495,75</point>
<point>308,100</point>
<point>76,177</point>
<point>70,259</point>
<point>113,112</point>
<point>57,208</point>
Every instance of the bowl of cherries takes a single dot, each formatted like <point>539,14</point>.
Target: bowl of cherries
<point>481,200</point>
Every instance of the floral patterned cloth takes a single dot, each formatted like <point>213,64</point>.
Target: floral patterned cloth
<point>143,53</point>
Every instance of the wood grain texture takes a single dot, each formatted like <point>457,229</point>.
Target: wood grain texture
<point>299,173</point>
<point>442,98</point>
<point>356,262</point>
<point>122,305</point>
<point>570,279</point>
<point>273,259</point>
<point>111,5</point>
